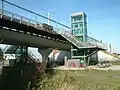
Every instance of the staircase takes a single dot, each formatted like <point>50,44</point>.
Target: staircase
<point>5,49</point>
<point>32,56</point>
<point>75,41</point>
<point>91,42</point>
<point>10,49</point>
<point>31,59</point>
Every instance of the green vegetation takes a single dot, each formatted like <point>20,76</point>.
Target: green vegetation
<point>116,62</point>
<point>1,57</point>
<point>79,80</point>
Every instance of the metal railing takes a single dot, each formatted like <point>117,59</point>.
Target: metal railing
<point>35,16</point>
<point>74,40</point>
<point>19,19</point>
<point>11,49</point>
<point>5,49</point>
<point>33,56</point>
<point>96,42</point>
<point>32,59</point>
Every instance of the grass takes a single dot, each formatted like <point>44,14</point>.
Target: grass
<point>79,80</point>
<point>116,62</point>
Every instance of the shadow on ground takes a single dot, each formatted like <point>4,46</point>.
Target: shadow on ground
<point>22,78</point>
<point>16,78</point>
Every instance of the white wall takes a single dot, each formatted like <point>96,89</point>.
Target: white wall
<point>55,57</point>
<point>9,56</point>
<point>59,56</point>
<point>100,56</point>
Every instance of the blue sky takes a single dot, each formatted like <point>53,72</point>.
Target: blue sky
<point>103,15</point>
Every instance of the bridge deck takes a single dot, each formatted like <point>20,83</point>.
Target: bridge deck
<point>19,38</point>
<point>26,25</point>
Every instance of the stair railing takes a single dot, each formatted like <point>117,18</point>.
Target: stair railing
<point>32,55</point>
<point>74,39</point>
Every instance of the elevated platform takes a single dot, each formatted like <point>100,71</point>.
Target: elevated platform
<point>19,38</point>
<point>20,23</point>
<point>19,26</point>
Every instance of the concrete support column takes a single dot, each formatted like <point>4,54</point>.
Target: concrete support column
<point>45,52</point>
<point>71,51</point>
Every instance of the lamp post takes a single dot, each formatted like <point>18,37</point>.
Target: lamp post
<point>48,18</point>
<point>2,6</point>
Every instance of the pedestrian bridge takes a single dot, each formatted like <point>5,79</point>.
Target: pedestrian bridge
<point>19,30</point>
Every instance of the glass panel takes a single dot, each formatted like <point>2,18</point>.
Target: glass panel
<point>80,38</point>
<point>75,25</point>
<point>77,18</point>
<point>80,24</point>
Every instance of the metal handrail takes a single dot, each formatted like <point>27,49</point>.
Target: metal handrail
<point>5,49</point>
<point>75,40</point>
<point>24,19</point>
<point>34,13</point>
<point>32,55</point>
<point>32,59</point>
<point>96,42</point>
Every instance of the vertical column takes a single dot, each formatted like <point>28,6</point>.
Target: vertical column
<point>2,6</point>
<point>71,51</point>
<point>1,40</point>
<point>84,58</point>
<point>45,52</point>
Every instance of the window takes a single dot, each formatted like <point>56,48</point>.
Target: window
<point>81,38</point>
<point>71,25</point>
<point>75,32</point>
<point>75,25</point>
<point>80,24</point>
<point>78,31</point>
<point>78,18</point>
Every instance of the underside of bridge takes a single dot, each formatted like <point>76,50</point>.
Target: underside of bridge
<point>17,38</point>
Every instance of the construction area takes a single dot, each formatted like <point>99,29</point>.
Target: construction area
<point>29,47</point>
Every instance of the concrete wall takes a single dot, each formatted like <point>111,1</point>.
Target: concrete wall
<point>59,56</point>
<point>99,56</point>
<point>102,56</point>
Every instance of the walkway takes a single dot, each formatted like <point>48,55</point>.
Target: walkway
<point>113,67</point>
